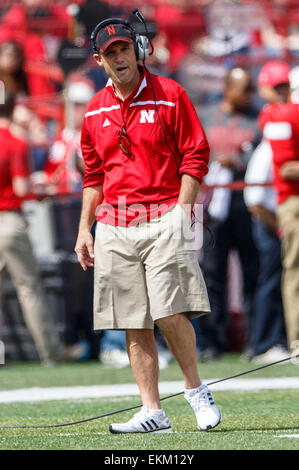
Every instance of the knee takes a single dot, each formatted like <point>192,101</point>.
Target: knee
<point>171,322</point>
<point>137,337</point>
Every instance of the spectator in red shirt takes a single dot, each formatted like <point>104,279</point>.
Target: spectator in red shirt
<point>15,249</point>
<point>279,122</point>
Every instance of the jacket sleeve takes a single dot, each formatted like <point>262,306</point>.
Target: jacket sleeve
<point>93,174</point>
<point>191,140</point>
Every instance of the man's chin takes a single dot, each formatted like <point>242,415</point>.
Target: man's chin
<point>123,80</point>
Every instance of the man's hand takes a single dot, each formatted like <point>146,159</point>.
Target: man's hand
<point>84,250</point>
<point>290,171</point>
<point>188,192</point>
<point>92,197</point>
<point>265,215</point>
<point>229,161</point>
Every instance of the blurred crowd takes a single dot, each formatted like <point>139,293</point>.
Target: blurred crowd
<point>217,50</point>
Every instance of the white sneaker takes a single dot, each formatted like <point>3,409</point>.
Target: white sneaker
<point>114,358</point>
<point>276,353</point>
<point>144,421</point>
<point>202,402</point>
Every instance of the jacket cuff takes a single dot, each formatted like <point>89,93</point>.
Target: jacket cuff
<point>198,174</point>
<point>92,180</point>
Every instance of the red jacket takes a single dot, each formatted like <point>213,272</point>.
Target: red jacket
<point>151,175</point>
<point>280,125</point>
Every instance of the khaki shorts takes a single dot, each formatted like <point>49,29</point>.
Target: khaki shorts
<point>146,272</point>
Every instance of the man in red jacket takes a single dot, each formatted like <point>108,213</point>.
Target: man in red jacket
<point>145,155</point>
<point>279,121</point>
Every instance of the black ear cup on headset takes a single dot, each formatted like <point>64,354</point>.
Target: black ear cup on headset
<point>142,48</point>
<point>141,43</point>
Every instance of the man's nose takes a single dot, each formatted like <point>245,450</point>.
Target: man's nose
<point>119,57</point>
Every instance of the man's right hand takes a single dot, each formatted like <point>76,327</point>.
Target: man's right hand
<point>290,170</point>
<point>84,250</point>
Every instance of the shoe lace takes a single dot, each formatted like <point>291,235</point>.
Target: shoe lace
<point>141,415</point>
<point>202,401</point>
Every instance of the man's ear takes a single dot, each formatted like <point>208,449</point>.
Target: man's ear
<point>98,59</point>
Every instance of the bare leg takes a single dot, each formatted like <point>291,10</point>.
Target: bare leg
<point>181,340</point>
<point>142,351</point>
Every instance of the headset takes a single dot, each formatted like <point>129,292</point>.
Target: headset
<point>141,43</point>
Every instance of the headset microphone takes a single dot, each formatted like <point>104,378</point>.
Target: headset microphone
<point>138,13</point>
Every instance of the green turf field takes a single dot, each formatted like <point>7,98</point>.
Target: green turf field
<point>267,419</point>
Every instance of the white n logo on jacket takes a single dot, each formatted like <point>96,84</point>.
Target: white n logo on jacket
<point>147,116</point>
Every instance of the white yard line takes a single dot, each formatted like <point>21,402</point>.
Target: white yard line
<point>123,390</point>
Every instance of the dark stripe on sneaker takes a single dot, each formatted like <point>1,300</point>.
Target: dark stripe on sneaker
<point>154,423</point>
<point>149,425</point>
<point>144,427</point>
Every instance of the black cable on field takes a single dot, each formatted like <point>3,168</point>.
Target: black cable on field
<point>85,420</point>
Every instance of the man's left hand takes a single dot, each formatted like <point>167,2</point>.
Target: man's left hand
<point>228,161</point>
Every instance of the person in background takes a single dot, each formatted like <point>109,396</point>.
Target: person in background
<point>27,125</point>
<point>267,341</point>
<point>62,174</point>
<point>12,72</point>
<point>16,253</point>
<point>294,83</point>
<point>64,165</point>
<point>24,23</point>
<point>113,351</point>
<point>231,128</point>
<point>279,122</point>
